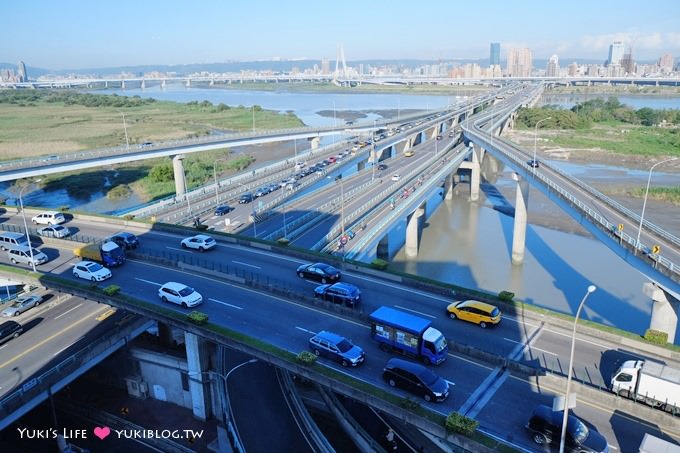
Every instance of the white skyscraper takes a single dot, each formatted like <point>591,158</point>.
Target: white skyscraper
<point>553,69</point>
<point>616,51</point>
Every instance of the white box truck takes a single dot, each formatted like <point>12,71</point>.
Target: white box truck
<point>653,383</point>
<point>651,444</point>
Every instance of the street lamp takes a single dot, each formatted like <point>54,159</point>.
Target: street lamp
<point>644,203</point>
<point>127,140</point>
<point>23,214</point>
<point>342,204</point>
<point>533,164</point>
<point>217,200</point>
<point>565,416</point>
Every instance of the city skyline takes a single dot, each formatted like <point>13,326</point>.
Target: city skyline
<point>76,36</point>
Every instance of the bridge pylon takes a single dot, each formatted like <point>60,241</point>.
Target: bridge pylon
<point>665,310</point>
<point>519,230</point>
<point>178,171</point>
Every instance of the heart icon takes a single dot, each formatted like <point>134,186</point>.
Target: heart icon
<point>102,432</point>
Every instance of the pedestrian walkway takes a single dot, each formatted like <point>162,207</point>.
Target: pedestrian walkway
<point>149,413</point>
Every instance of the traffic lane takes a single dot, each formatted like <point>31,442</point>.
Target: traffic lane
<point>256,400</point>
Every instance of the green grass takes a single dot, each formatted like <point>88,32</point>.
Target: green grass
<point>667,194</point>
<point>621,139</point>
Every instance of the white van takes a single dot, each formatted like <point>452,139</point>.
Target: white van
<point>49,218</point>
<point>11,241</point>
<point>23,256</point>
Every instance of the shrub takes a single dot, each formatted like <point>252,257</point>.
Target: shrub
<point>306,358</point>
<point>283,241</point>
<point>656,336</point>
<point>410,404</point>
<point>461,424</point>
<point>111,290</point>
<point>506,295</point>
<point>64,208</point>
<point>198,318</point>
<point>129,216</point>
<point>379,264</point>
<point>201,227</point>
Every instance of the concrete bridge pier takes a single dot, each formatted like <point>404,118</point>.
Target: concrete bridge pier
<point>122,84</point>
<point>178,168</point>
<point>477,156</point>
<point>449,184</point>
<point>664,310</point>
<point>163,84</point>
<point>199,378</point>
<point>315,142</point>
<point>519,231</point>
<point>413,233</point>
<point>143,84</point>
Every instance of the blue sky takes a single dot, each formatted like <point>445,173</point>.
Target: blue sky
<point>84,34</point>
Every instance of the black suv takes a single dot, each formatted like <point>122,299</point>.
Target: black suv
<point>339,293</point>
<point>415,378</point>
<point>246,198</point>
<point>340,349</point>
<point>546,427</point>
<point>9,330</point>
<point>125,240</point>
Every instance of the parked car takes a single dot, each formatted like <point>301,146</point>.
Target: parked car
<point>48,218</point>
<point>27,255</point>
<point>180,294</point>
<point>336,347</point>
<point>125,240</point>
<point>533,163</point>
<point>56,231</point>
<point>415,378</point>
<point>474,311</point>
<point>339,293</point>
<point>21,305</point>
<point>200,242</point>
<point>9,330</point>
<point>325,273</point>
<point>246,198</point>
<point>223,209</point>
<point>545,426</point>
<point>89,270</point>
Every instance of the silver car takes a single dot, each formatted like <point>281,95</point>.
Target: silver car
<point>21,305</point>
<point>55,231</point>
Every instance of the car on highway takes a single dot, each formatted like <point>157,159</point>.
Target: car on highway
<point>200,242</point>
<point>439,137</point>
<point>545,426</point>
<point>396,177</point>
<point>9,330</point>
<point>125,240</point>
<point>382,167</point>
<point>27,255</point>
<point>475,312</point>
<point>48,218</point>
<point>324,273</point>
<point>533,163</point>
<point>262,191</point>
<point>223,209</point>
<point>246,198</point>
<point>339,293</point>
<point>415,378</point>
<point>336,347</point>
<point>89,270</point>
<point>55,231</point>
<point>21,305</point>
<point>180,294</point>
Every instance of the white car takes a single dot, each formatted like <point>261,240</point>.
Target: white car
<point>89,270</point>
<point>49,218</point>
<point>180,294</point>
<point>200,242</point>
<point>396,177</point>
<point>56,231</point>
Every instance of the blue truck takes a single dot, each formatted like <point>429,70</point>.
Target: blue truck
<point>408,334</point>
<point>108,253</point>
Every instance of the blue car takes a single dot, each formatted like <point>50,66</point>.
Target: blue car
<point>224,209</point>
<point>340,349</point>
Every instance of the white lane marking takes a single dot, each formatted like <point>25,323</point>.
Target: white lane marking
<point>224,303</point>
<point>148,281</point>
<point>414,311</point>
<point>246,264</point>
<point>305,330</point>
<point>450,382</point>
<point>60,351</point>
<point>532,347</point>
<point>510,318</point>
<point>67,312</point>
<point>580,339</point>
<point>178,249</point>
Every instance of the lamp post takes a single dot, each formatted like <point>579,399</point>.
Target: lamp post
<point>565,416</point>
<point>217,200</point>
<point>23,214</point>
<point>533,166</point>
<point>127,140</point>
<point>253,108</point>
<point>644,203</point>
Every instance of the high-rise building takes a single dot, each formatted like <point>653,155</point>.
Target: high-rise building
<point>495,54</point>
<point>616,51</point>
<point>325,66</point>
<point>627,63</point>
<point>520,62</point>
<point>21,72</point>
<point>553,68</point>
<point>666,62</point>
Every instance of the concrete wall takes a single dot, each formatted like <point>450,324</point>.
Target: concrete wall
<point>162,373</point>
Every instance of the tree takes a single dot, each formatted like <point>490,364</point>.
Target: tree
<point>161,173</point>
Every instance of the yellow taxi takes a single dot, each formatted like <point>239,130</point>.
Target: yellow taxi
<point>474,311</point>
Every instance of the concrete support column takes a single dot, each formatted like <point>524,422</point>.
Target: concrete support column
<point>199,381</point>
<point>122,84</point>
<point>413,233</point>
<point>178,168</point>
<point>143,84</point>
<point>519,231</point>
<point>449,183</point>
<point>664,310</point>
<point>188,83</point>
<point>474,176</point>
<point>163,83</point>
<point>315,142</point>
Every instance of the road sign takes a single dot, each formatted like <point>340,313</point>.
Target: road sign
<point>656,249</point>
<point>620,227</point>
